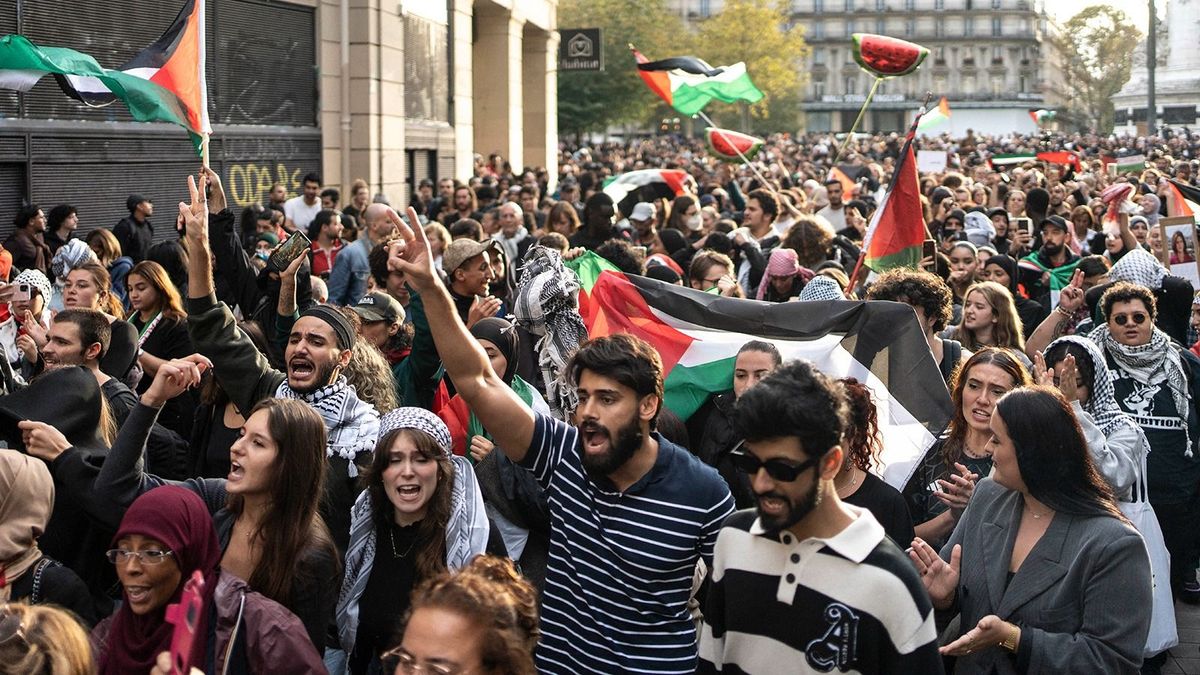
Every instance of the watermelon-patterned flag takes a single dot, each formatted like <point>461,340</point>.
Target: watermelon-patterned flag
<point>897,230</point>
<point>698,335</point>
<point>165,82</point>
<point>688,84</point>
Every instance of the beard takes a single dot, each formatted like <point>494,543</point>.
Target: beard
<point>323,375</point>
<point>795,511</point>
<point>1051,250</point>
<point>628,439</point>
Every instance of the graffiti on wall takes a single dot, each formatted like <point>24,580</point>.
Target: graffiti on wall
<point>248,183</point>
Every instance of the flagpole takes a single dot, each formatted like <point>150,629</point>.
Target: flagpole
<point>912,131</point>
<point>862,111</point>
<point>746,162</point>
<point>204,152</point>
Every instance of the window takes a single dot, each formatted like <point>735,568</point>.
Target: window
<point>968,84</point>
<point>850,84</point>
<point>939,27</point>
<point>705,8</point>
<point>910,26</point>
<point>939,4</point>
<point>996,26</point>
<point>850,27</point>
<point>818,88</point>
<point>848,6</point>
<point>997,86</point>
<point>818,57</point>
<point>879,7</point>
<point>1023,84</point>
<point>995,4</point>
<point>939,54</point>
<point>818,29</point>
<point>997,54</point>
<point>969,26</point>
<point>910,5</point>
<point>880,26</point>
<point>939,84</point>
<point>818,5</point>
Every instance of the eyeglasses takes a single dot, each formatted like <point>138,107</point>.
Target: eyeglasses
<point>399,661</point>
<point>1137,317</point>
<point>778,469</point>
<point>119,556</point>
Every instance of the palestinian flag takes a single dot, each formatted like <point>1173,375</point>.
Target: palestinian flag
<point>897,230</point>
<point>1185,199</point>
<point>847,182</point>
<point>165,82</point>
<point>698,335</point>
<point>662,183</point>
<point>1059,276</point>
<point>688,84</point>
<point>1061,157</point>
<point>935,117</point>
<point>1130,164</point>
<point>1042,116</point>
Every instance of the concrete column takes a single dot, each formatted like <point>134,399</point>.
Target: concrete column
<point>540,95</point>
<point>463,115</point>
<point>497,80</point>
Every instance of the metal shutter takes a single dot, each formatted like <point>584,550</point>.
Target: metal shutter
<point>9,106</point>
<point>110,32</point>
<point>12,191</point>
<point>268,64</point>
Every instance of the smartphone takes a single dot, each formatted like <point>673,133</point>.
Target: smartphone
<point>928,249</point>
<point>23,293</point>
<point>295,246</point>
<point>1025,224</point>
<point>185,615</point>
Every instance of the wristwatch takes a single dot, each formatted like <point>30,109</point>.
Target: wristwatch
<point>1010,642</point>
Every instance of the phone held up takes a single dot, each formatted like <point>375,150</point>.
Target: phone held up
<point>186,617</point>
<point>295,246</point>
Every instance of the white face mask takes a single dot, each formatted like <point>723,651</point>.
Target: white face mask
<point>694,223</point>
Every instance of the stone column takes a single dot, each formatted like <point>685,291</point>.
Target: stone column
<point>540,94</point>
<point>497,83</point>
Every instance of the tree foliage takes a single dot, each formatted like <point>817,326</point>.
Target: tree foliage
<point>759,32</point>
<point>1097,46</point>
<point>591,101</point>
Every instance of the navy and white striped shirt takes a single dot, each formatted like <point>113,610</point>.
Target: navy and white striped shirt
<point>622,563</point>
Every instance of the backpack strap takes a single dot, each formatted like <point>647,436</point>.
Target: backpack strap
<point>35,595</point>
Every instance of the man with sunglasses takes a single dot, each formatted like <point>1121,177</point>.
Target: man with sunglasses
<point>1155,380</point>
<point>806,583</point>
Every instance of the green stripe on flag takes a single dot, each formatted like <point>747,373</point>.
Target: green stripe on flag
<point>906,257</point>
<point>686,388</point>
<point>147,101</point>
<point>690,99</point>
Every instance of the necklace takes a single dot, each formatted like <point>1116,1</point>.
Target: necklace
<point>842,490</point>
<point>392,537</point>
<point>1034,513</point>
<point>972,455</point>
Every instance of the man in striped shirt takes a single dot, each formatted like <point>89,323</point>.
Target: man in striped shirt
<point>631,513</point>
<point>808,584</point>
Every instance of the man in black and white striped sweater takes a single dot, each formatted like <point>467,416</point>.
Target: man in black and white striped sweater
<point>806,583</point>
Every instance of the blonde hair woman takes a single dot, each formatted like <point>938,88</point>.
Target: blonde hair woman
<point>989,319</point>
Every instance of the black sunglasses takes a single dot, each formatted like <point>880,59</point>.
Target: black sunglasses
<point>778,469</point>
<point>1138,318</point>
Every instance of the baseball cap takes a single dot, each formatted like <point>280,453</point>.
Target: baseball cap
<point>379,307</point>
<point>461,250</point>
<point>134,200</point>
<point>642,211</point>
<point>1056,221</point>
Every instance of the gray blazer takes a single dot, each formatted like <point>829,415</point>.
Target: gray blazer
<point>1081,598</point>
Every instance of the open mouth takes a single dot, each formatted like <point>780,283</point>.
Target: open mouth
<point>137,594</point>
<point>236,472</point>
<point>301,367</point>
<point>981,415</point>
<point>772,506</point>
<point>408,493</point>
<point>595,438</point>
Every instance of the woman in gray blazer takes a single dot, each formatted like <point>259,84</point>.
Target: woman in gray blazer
<point>1047,575</point>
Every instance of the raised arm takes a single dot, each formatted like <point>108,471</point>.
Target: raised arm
<point>1061,320</point>
<point>498,408</point>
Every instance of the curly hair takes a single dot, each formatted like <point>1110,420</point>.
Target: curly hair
<point>371,376</point>
<point>810,238</point>
<point>862,440</point>
<point>918,289</point>
<point>1124,291</point>
<point>500,602</point>
<point>54,642</point>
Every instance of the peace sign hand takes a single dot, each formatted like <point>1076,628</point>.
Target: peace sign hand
<point>410,253</point>
<point>195,214</point>
<point>1070,298</point>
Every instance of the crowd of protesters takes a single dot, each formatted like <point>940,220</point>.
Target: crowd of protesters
<point>357,453</point>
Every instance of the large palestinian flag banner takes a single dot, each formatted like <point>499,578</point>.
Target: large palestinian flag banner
<point>165,82</point>
<point>698,335</point>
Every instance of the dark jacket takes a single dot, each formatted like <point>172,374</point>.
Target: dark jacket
<point>28,252</point>
<point>135,238</point>
<point>48,582</point>
<point>1081,597</point>
<point>719,439</point>
<point>249,633</point>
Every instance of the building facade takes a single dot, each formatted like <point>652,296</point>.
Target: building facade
<point>993,60</point>
<point>390,92</point>
<point>1176,79</point>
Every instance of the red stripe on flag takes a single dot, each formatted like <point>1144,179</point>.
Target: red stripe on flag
<point>658,81</point>
<point>616,306</point>
<point>181,74</point>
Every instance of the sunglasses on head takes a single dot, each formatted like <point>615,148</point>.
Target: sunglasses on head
<point>1137,317</point>
<point>778,469</point>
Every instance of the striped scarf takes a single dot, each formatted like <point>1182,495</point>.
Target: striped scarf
<point>352,423</point>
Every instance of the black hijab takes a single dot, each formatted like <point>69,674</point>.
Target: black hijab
<point>504,335</point>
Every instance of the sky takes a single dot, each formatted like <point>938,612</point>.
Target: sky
<point>1136,10</point>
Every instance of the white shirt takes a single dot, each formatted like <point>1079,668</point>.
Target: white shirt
<point>836,217</point>
<point>300,213</point>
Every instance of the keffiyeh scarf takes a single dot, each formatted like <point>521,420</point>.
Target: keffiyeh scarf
<point>546,305</point>
<point>1140,267</point>
<point>1151,364</point>
<point>821,288</point>
<point>466,531</point>
<point>352,423</point>
<point>71,255</point>
<point>1102,403</point>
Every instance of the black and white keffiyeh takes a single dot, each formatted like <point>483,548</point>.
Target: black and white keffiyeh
<point>466,531</point>
<point>1102,403</point>
<point>547,305</point>
<point>1151,364</point>
<point>821,288</point>
<point>1139,266</point>
<point>352,423</point>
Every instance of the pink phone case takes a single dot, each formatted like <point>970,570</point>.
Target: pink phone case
<point>185,615</point>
